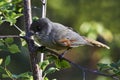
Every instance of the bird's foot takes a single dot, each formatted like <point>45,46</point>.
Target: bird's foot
<point>63,54</point>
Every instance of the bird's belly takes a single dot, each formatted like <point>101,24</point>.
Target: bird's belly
<point>48,42</point>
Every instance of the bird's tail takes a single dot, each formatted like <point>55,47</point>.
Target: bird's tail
<point>96,43</point>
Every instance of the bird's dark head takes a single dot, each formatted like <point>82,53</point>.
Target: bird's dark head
<point>39,25</point>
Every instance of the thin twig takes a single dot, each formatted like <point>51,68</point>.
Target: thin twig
<point>9,36</point>
<point>18,28</point>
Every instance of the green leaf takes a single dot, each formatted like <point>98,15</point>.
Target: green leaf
<point>5,76</point>
<point>1,60</point>
<point>118,63</point>
<point>44,64</point>
<point>15,16</point>
<point>7,60</point>
<point>1,18</point>
<point>103,66</point>
<point>11,17</point>
<point>20,10</point>
<point>54,79</point>
<point>13,48</point>
<point>1,43</point>
<point>9,40</point>
<point>52,58</point>
<point>114,65</point>
<point>35,18</point>
<point>46,78</point>
<point>12,21</point>
<point>4,48</point>
<point>117,72</point>
<point>62,64</point>
<point>2,69</point>
<point>51,70</point>
<point>23,43</point>
<point>25,75</point>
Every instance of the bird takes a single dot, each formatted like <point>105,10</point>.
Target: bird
<point>60,37</point>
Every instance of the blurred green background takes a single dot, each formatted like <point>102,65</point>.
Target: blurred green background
<point>96,19</point>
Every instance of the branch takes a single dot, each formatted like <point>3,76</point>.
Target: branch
<point>9,36</point>
<point>83,68</point>
<point>33,54</point>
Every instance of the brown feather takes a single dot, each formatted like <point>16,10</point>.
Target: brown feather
<point>96,43</point>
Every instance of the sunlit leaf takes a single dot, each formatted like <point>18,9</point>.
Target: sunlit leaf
<point>62,64</point>
<point>5,76</point>
<point>1,60</point>
<point>35,18</point>
<point>46,78</point>
<point>14,48</point>
<point>51,70</point>
<point>23,42</point>
<point>20,10</point>
<point>44,64</point>
<point>11,17</point>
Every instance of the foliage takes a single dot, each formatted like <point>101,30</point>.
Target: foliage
<point>59,64</point>
<point>9,11</point>
<point>110,68</point>
<point>8,45</point>
<point>92,18</point>
<point>6,74</point>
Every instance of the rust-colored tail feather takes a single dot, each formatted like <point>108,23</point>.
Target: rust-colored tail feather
<point>96,43</point>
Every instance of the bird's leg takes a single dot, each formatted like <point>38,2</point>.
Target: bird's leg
<point>63,53</point>
<point>66,51</point>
